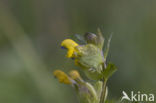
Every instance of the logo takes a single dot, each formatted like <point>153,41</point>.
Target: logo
<point>137,97</point>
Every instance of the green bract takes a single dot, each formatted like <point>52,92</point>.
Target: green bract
<point>90,58</point>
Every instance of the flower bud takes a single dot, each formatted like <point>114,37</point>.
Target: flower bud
<point>96,39</point>
<point>74,74</point>
<point>91,38</point>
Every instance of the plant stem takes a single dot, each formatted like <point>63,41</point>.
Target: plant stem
<point>103,92</point>
<point>104,81</point>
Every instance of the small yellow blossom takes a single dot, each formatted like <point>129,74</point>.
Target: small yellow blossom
<point>74,74</point>
<point>70,45</point>
<point>62,77</point>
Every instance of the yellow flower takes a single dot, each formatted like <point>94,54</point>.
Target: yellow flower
<point>70,45</point>
<point>74,74</point>
<point>62,77</point>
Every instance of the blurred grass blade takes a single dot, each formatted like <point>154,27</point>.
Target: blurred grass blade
<point>27,53</point>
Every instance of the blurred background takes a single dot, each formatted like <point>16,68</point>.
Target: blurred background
<point>31,32</point>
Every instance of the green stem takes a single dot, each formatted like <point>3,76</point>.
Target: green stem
<point>103,92</point>
<point>104,81</point>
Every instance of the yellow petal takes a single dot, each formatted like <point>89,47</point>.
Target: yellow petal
<point>62,77</point>
<point>70,45</point>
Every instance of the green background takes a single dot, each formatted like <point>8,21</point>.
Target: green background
<point>31,32</point>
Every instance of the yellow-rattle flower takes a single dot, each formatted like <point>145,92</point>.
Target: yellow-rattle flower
<point>62,77</point>
<point>70,45</point>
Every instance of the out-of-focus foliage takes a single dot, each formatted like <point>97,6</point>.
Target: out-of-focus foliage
<point>31,32</point>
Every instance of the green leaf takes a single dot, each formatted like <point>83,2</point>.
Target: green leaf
<point>108,72</point>
<point>107,48</point>
<point>100,38</point>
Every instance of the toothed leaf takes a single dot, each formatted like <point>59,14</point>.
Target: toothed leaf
<point>109,71</point>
